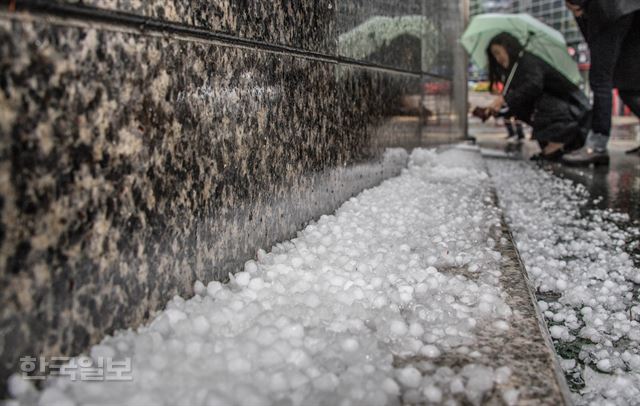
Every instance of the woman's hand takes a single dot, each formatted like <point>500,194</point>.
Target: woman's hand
<point>575,9</point>
<point>497,104</point>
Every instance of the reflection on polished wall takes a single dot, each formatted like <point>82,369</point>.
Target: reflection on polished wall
<point>166,143</point>
<point>419,37</point>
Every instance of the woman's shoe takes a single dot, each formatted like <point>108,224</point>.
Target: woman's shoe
<point>555,156</point>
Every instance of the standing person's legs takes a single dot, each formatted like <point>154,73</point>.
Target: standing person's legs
<point>519,129</point>
<point>510,130</point>
<point>605,51</point>
<point>514,127</point>
<point>605,47</point>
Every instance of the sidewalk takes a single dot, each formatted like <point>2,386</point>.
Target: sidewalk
<point>411,293</point>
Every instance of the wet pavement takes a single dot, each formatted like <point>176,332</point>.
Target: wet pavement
<point>615,187</point>
<point>618,185</point>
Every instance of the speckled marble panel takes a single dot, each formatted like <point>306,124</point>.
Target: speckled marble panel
<point>127,174</point>
<point>305,24</point>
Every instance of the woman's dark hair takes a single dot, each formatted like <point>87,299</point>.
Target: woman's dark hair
<point>513,47</point>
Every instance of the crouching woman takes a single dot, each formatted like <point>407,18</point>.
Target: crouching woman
<point>556,109</point>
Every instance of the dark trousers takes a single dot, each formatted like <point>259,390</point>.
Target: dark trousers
<point>606,49</point>
<point>514,129</point>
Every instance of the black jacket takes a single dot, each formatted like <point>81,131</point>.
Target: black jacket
<point>545,99</point>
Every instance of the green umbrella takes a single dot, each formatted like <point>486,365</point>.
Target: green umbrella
<point>538,38</point>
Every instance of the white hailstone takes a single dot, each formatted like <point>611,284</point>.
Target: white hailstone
<point>510,396</point>
<point>456,385</point>
<point>409,377</point>
<point>604,365</point>
<point>256,284</point>
<point>297,262</point>
<point>269,357</point>
<point>422,288</point>
<point>200,325</point>
<point>357,293</point>
<point>102,351</point>
<point>501,325</point>
<point>559,332</point>
<point>398,327</point>
<point>249,395</point>
<point>213,287</point>
<point>278,382</point>
<point>174,315</point>
<point>199,288</point>
<point>237,305</point>
<point>406,293</point>
<point>53,396</point>
<point>122,346</point>
<point>242,278</point>
<point>567,364</point>
<point>432,394</point>
<point>413,344</point>
<point>430,351</point>
<point>380,301</point>
<point>561,284</point>
<point>327,382</point>
<point>299,358</point>
<point>337,280</point>
<point>390,387</point>
<point>18,386</point>
<point>297,379</point>
<point>292,331</point>
<point>478,385</point>
<point>193,348</point>
<point>502,375</point>
<point>239,365</point>
<point>376,282</point>
<point>485,307</point>
<point>313,372</point>
<point>350,344</point>
<point>261,255</point>
<point>251,266</point>
<point>312,300</point>
<point>411,396</point>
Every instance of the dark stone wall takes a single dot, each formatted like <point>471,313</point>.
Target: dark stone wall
<point>137,159</point>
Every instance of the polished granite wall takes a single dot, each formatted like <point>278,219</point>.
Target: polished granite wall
<point>137,159</point>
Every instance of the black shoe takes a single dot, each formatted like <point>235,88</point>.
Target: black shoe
<point>555,156</point>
